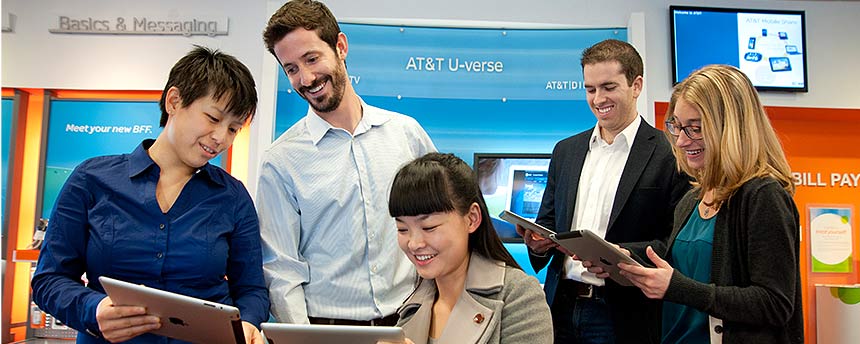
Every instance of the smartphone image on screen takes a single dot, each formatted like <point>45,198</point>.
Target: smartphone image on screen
<point>751,44</point>
<point>752,56</point>
<point>764,32</point>
<point>780,64</point>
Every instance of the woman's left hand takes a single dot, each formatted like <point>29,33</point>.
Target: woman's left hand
<point>652,281</point>
<point>252,334</point>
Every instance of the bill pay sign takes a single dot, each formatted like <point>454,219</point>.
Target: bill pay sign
<point>830,239</point>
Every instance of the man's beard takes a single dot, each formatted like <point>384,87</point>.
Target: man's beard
<point>331,102</point>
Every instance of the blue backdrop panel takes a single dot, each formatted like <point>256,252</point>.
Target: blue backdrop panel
<point>79,130</point>
<point>473,90</point>
<point>82,129</point>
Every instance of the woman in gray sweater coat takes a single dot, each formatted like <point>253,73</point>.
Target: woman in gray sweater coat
<point>471,290</point>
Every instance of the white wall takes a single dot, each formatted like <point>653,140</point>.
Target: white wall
<point>832,28</point>
<point>32,57</point>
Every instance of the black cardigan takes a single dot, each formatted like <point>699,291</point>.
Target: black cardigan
<point>755,274</point>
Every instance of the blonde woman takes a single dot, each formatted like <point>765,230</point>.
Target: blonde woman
<point>732,258</point>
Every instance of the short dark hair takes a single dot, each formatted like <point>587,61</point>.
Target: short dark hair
<point>439,182</point>
<point>308,14</point>
<point>203,72</point>
<point>615,50</point>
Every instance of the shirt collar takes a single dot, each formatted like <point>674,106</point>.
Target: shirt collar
<point>628,134</point>
<point>139,162</point>
<point>318,127</point>
<point>484,277</point>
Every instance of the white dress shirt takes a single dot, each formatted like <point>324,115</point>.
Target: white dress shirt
<point>598,183</point>
<point>329,245</point>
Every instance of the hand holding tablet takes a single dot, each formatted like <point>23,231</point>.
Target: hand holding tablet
<point>182,317</point>
<point>538,238</point>
<point>585,244</point>
<point>590,247</point>
<point>122,323</point>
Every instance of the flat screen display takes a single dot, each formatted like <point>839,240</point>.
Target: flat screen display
<point>513,182</point>
<point>769,46</point>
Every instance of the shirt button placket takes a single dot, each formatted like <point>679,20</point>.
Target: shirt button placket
<point>160,254</point>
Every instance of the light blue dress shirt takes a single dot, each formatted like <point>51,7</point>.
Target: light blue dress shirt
<point>329,245</point>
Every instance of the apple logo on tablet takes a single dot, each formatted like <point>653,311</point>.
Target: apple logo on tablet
<point>177,321</point>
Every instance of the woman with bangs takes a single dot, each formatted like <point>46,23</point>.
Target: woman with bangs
<point>470,289</point>
<point>730,270</point>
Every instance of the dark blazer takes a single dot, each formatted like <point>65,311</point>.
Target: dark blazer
<point>650,187</point>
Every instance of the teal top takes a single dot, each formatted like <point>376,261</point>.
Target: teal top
<point>691,256</point>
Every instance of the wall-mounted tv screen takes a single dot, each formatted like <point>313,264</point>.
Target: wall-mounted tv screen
<point>769,46</point>
<point>513,182</point>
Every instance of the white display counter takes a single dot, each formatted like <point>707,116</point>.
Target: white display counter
<point>837,312</point>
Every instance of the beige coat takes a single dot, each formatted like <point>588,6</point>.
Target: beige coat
<point>501,305</point>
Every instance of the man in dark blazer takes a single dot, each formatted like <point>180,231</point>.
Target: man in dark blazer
<point>618,179</point>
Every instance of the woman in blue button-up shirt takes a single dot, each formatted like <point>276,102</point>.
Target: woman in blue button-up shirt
<point>161,216</point>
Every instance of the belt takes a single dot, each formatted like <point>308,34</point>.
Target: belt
<point>390,320</point>
<point>581,290</point>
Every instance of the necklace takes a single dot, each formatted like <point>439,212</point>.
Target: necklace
<point>708,209</point>
<point>715,206</point>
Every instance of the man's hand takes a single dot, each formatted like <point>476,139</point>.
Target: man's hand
<point>252,334</point>
<point>597,270</point>
<point>536,243</point>
<point>121,323</point>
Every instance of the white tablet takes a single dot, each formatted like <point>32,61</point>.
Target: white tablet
<point>583,243</point>
<point>588,246</point>
<point>527,224</point>
<point>278,333</point>
<point>182,317</point>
